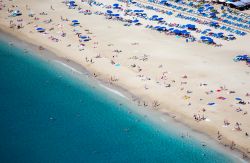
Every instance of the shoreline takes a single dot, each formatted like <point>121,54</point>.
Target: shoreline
<point>126,95</point>
<point>156,70</point>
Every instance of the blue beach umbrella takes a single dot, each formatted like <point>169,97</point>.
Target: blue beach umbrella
<point>238,99</point>
<point>116,15</point>
<point>138,10</point>
<point>116,5</point>
<point>109,11</point>
<point>169,13</point>
<point>163,1</point>
<point>185,32</point>
<point>83,37</point>
<point>210,40</point>
<point>190,26</point>
<point>214,24</point>
<point>159,28</point>
<point>135,21</point>
<point>177,31</point>
<point>72,3</point>
<point>203,37</point>
<point>211,103</point>
<point>207,39</point>
<point>40,29</point>
<point>163,28</point>
<point>75,21</point>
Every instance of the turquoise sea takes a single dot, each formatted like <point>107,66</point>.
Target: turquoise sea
<point>47,114</point>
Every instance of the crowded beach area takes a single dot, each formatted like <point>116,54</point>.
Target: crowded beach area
<point>189,60</point>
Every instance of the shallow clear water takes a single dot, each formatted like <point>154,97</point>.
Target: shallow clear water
<point>48,115</point>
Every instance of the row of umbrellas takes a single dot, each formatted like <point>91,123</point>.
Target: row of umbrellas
<point>176,31</point>
<point>40,29</point>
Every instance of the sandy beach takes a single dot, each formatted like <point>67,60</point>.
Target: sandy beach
<point>196,83</point>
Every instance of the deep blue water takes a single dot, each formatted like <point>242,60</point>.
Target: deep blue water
<point>46,115</point>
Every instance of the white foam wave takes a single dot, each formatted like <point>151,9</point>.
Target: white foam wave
<point>69,67</point>
<point>113,91</point>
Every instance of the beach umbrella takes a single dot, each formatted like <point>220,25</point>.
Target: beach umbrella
<point>237,98</point>
<point>75,21</point>
<point>163,1</point>
<point>169,13</point>
<point>190,26</point>
<point>159,28</point>
<point>115,4</point>
<point>216,35</point>
<point>116,15</point>
<point>211,103</point>
<point>214,24</point>
<point>83,37</point>
<point>154,16</point>
<point>220,34</point>
<point>40,29</point>
<point>138,10</point>
<point>72,3</point>
<point>212,14</point>
<point>210,40</point>
<point>163,28</point>
<point>177,31</point>
<point>185,32</point>
<point>203,37</point>
<point>109,11</point>
<point>207,39</point>
<point>135,21</point>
